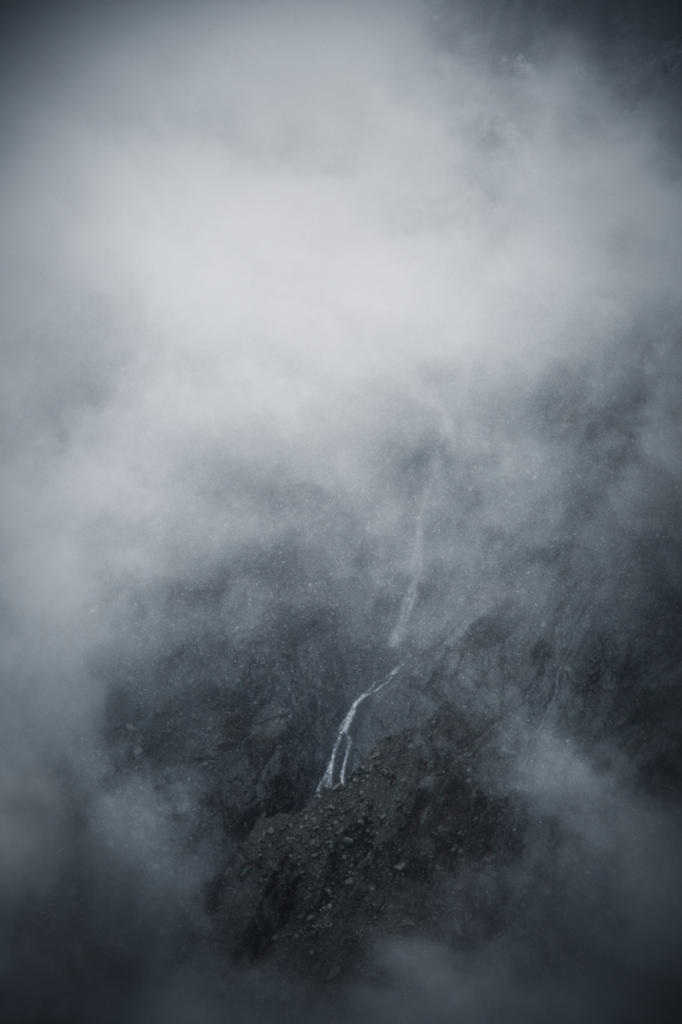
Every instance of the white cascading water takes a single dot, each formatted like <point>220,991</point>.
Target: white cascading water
<point>327,780</point>
<point>406,607</point>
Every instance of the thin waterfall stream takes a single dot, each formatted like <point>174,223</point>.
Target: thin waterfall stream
<point>327,780</point>
<point>406,608</point>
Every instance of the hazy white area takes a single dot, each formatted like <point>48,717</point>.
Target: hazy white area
<point>246,248</point>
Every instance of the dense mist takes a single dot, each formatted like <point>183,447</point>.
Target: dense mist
<point>341,359</point>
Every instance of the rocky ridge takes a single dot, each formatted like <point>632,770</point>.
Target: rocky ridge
<point>385,854</point>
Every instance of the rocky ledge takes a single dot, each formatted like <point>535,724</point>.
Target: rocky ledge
<point>394,850</point>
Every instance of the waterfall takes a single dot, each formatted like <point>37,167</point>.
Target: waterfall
<point>406,607</point>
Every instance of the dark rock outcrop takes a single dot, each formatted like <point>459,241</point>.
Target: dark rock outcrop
<point>380,856</point>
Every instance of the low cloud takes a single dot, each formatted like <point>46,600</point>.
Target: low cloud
<point>305,306</point>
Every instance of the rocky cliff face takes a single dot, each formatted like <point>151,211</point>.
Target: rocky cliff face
<point>450,831</point>
<point>385,854</point>
<point>476,777</point>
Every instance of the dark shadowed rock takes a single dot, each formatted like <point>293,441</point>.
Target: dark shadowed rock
<point>379,856</point>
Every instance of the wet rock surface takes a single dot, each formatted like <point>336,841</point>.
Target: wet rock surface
<point>243,728</point>
<point>430,837</point>
<point>386,854</point>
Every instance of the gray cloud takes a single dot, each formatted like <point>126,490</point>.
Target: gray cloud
<point>275,277</point>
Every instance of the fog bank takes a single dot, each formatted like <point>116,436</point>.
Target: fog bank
<point>335,338</point>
